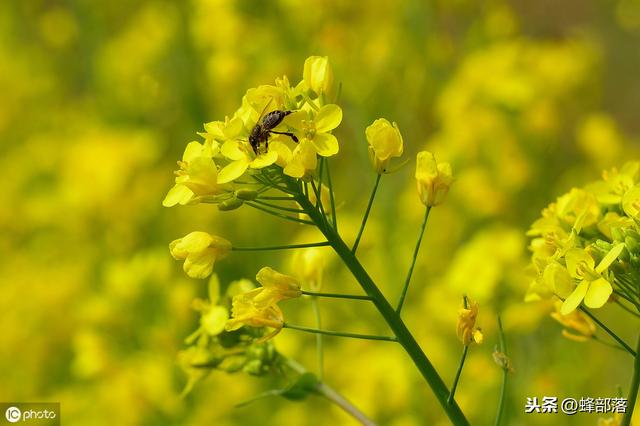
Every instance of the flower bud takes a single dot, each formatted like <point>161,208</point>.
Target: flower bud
<point>433,179</point>
<point>466,327</point>
<point>317,74</point>
<point>246,194</point>
<point>385,141</point>
<point>230,204</point>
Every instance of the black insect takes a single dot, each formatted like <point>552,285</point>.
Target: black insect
<point>262,129</point>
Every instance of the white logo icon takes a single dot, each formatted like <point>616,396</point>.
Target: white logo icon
<point>13,414</point>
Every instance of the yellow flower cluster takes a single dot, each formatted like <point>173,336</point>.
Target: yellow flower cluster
<point>586,245</point>
<point>289,126</point>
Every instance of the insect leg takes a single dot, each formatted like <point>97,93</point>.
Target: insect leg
<point>291,135</point>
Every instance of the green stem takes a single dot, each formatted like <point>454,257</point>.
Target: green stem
<point>505,374</point>
<point>285,247</point>
<point>336,295</point>
<point>608,331</point>
<point>332,395</point>
<point>319,206</point>
<point>400,330</point>
<point>633,390</point>
<point>319,348</point>
<point>340,333</point>
<point>276,198</point>
<point>457,378</point>
<point>619,303</point>
<point>366,214</point>
<point>413,261</point>
<point>277,207</point>
<point>611,345</point>
<point>334,218</point>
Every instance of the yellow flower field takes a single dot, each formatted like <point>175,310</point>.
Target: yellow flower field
<point>404,213</point>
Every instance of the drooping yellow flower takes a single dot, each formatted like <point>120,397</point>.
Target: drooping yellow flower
<point>275,287</point>
<point>433,179</point>
<point>198,175</point>
<point>258,307</point>
<point>593,287</point>
<point>199,250</point>
<point>577,326</point>
<point>385,142</point>
<point>243,312</point>
<point>466,326</point>
<point>315,126</point>
<point>317,74</point>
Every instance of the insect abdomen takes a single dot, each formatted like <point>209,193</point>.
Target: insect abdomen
<point>274,118</point>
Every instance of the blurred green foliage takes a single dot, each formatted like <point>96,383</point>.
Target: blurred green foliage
<point>525,99</point>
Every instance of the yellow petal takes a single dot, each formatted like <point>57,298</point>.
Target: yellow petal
<point>199,265</point>
<point>214,289</point>
<point>609,258</point>
<point>557,278</point>
<point>192,150</point>
<point>196,241</point>
<point>214,320</point>
<point>296,119</point>
<point>283,151</point>
<point>328,118</point>
<point>264,160</point>
<point>232,171</point>
<point>573,301</point>
<point>179,194</point>
<point>231,150</point>
<point>326,144</point>
<point>576,256</point>
<point>598,293</point>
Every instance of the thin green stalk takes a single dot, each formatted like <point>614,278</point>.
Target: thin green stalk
<point>413,261</point>
<point>336,295</point>
<point>626,295</point>
<point>608,331</point>
<point>457,378</point>
<point>334,218</point>
<point>277,207</point>
<point>395,323</point>
<point>319,349</point>
<point>619,303</point>
<point>267,197</point>
<point>366,214</point>
<point>611,345</point>
<point>280,215</point>
<point>284,247</point>
<point>319,205</point>
<point>633,390</point>
<point>340,333</point>
<point>333,396</point>
<point>505,373</point>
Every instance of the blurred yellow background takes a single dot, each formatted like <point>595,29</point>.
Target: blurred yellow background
<point>98,100</point>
